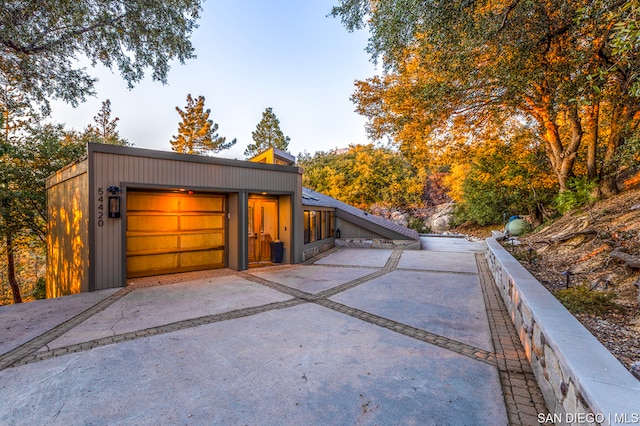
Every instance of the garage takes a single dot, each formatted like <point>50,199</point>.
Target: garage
<point>170,232</point>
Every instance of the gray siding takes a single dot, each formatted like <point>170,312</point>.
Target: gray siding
<point>135,168</point>
<point>68,231</point>
<point>351,230</point>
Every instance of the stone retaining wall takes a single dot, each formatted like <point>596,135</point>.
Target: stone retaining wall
<point>582,382</point>
<point>316,250</point>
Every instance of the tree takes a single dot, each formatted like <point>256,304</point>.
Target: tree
<point>42,40</point>
<point>364,175</point>
<point>267,135</point>
<point>105,129</point>
<point>30,153</point>
<point>470,63</point>
<point>196,132</point>
<point>502,176</point>
<point>16,117</point>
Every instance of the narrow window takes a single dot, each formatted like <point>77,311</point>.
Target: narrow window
<point>307,235</point>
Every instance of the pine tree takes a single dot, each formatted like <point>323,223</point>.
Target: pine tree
<point>105,130</point>
<point>267,135</point>
<point>196,133</point>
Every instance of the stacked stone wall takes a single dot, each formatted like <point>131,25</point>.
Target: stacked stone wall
<point>582,382</point>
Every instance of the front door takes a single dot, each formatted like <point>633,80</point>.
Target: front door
<point>263,227</point>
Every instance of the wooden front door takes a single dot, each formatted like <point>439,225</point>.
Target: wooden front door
<point>263,227</point>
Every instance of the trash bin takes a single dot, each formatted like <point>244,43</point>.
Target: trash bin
<point>277,251</point>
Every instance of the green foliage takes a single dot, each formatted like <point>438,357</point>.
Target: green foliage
<point>572,67</point>
<point>581,300</point>
<point>579,194</point>
<point>267,135</point>
<point>417,223</point>
<point>41,41</point>
<point>27,161</point>
<point>364,175</point>
<point>624,39</point>
<point>30,152</point>
<point>503,178</point>
<point>40,289</point>
<point>196,132</point>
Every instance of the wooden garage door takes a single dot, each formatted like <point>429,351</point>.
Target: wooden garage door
<point>174,232</point>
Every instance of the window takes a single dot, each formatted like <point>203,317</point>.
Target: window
<point>313,228</point>
<point>332,221</point>
<point>307,234</point>
<point>318,225</point>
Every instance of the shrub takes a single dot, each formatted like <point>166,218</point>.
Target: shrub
<point>579,194</point>
<point>581,300</point>
<point>40,289</point>
<point>417,223</point>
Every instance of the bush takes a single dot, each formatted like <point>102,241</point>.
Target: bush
<point>502,177</point>
<point>579,194</point>
<point>581,300</point>
<point>417,223</point>
<point>40,289</point>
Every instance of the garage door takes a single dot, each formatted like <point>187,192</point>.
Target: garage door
<point>174,232</point>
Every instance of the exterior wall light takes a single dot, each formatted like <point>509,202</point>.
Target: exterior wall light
<point>114,201</point>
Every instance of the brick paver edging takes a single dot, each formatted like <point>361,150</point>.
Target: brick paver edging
<point>14,356</point>
<point>522,395</point>
<point>153,331</point>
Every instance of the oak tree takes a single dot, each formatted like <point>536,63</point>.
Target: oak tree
<point>30,152</point>
<point>468,63</point>
<point>363,176</point>
<point>41,41</point>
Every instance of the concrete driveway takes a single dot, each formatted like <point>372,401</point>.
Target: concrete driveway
<point>359,336</point>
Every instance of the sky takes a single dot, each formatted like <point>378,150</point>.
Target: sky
<point>251,54</point>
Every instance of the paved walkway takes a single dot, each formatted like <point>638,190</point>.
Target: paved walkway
<point>355,336</point>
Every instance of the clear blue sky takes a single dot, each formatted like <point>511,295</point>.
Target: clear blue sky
<point>251,54</point>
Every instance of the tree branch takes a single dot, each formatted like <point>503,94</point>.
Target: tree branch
<point>506,15</point>
<point>33,48</point>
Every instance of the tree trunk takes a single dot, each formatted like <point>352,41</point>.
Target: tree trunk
<point>620,118</point>
<point>11,270</point>
<point>562,157</point>
<point>593,115</point>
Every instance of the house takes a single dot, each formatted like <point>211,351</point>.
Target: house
<point>126,212</point>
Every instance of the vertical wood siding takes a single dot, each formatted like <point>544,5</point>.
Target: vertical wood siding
<point>151,172</point>
<point>355,231</point>
<point>68,231</point>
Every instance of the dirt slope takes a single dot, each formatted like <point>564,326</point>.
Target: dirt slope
<point>582,242</point>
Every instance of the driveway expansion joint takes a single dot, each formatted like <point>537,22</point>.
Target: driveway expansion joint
<point>14,356</point>
<point>522,396</point>
<point>154,331</point>
<point>322,299</point>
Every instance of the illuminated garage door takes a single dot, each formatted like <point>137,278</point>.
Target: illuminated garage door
<point>174,232</point>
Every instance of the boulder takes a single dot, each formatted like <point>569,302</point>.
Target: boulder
<point>440,221</point>
<point>399,218</point>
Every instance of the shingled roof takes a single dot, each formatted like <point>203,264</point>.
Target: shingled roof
<point>373,223</point>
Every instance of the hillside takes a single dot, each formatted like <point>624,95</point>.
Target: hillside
<point>588,244</point>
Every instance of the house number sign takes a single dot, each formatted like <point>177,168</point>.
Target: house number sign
<point>100,206</point>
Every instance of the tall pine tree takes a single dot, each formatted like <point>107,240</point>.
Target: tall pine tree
<point>196,133</point>
<point>267,135</point>
<point>105,129</point>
